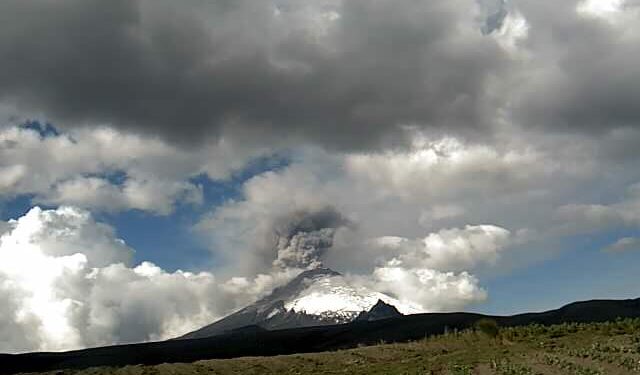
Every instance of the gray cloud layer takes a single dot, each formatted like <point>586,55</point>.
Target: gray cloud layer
<point>344,74</point>
<point>584,74</point>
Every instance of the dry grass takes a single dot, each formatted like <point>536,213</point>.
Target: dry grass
<point>580,349</point>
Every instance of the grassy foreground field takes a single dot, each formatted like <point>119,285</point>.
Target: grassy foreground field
<point>581,349</point>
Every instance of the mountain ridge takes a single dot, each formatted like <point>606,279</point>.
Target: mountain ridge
<point>255,341</point>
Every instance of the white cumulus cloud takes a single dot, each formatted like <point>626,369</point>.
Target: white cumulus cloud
<point>110,170</point>
<point>67,281</point>
<point>449,249</point>
<point>426,289</point>
<point>624,244</point>
<point>433,273</point>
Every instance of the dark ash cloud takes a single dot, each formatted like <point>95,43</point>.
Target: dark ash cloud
<point>303,237</point>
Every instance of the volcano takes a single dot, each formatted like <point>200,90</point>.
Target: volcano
<point>315,297</point>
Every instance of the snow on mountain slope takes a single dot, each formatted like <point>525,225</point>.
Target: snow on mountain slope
<point>315,297</point>
<point>331,297</point>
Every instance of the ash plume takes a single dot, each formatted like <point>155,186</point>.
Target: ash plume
<point>304,237</point>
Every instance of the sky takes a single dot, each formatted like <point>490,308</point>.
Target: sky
<point>164,163</point>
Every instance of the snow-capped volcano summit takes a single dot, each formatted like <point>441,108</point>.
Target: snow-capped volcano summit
<point>327,294</point>
<point>319,296</point>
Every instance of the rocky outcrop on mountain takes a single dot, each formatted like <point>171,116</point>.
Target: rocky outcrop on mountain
<point>381,310</point>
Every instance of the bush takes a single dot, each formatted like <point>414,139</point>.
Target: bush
<point>487,326</point>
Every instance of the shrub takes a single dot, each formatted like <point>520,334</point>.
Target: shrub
<point>487,326</point>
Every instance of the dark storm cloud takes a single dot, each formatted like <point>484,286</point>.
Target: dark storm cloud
<point>345,75</point>
<point>585,75</point>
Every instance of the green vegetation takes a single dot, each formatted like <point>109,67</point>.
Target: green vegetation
<point>580,349</point>
<point>488,326</point>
